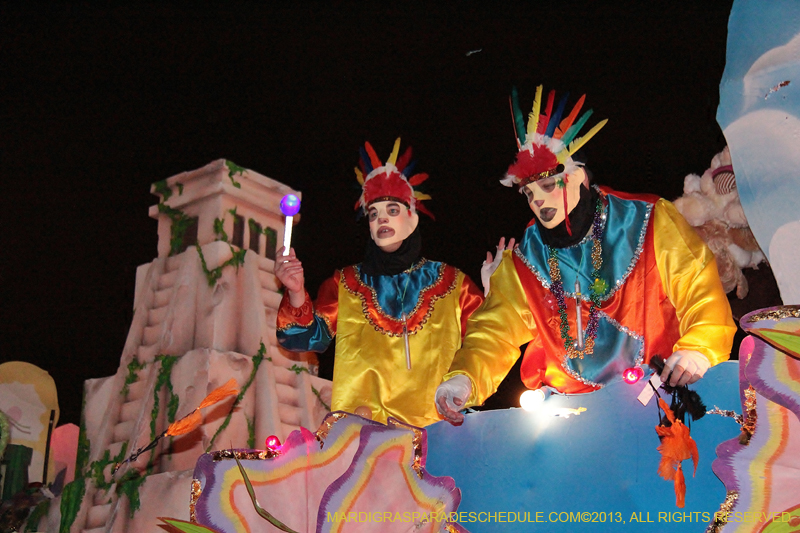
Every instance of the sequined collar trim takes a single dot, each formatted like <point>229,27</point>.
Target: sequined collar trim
<point>444,284</point>
<point>544,278</point>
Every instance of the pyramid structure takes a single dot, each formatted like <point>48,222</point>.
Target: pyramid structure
<point>204,312</point>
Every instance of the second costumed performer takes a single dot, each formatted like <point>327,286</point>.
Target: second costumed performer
<point>398,318</point>
<point>646,283</point>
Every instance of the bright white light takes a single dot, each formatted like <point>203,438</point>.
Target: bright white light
<point>530,400</point>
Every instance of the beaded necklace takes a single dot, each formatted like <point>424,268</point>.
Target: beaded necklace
<point>598,289</point>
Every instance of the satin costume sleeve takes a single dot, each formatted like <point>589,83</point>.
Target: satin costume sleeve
<point>690,278</point>
<point>494,334</point>
<point>469,300</point>
<point>310,327</point>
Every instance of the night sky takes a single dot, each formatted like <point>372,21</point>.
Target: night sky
<point>99,102</point>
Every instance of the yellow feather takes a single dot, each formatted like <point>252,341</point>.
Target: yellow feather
<point>562,156</point>
<point>421,195</point>
<point>533,117</point>
<point>393,157</point>
<point>575,145</point>
<point>359,176</point>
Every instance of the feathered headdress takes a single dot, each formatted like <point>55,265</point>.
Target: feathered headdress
<point>546,146</point>
<point>389,181</point>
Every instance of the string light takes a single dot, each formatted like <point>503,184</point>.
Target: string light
<point>530,400</point>
<point>273,443</point>
<point>632,375</point>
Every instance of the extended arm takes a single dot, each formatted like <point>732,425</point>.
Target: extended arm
<point>690,278</point>
<point>309,327</point>
<point>494,334</point>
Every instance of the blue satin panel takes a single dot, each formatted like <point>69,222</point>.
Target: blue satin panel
<point>398,294</point>
<point>614,351</point>
<point>625,225</point>
<point>314,338</point>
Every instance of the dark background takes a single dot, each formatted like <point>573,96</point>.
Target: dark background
<point>99,102</point>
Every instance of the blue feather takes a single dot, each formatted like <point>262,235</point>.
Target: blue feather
<point>556,118</point>
<point>409,170</point>
<point>366,160</point>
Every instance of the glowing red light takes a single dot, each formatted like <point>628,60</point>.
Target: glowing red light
<point>273,443</point>
<point>632,375</point>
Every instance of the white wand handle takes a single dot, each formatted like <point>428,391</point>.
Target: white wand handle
<point>287,235</point>
<point>290,206</point>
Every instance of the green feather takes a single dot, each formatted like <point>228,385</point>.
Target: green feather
<point>575,128</point>
<point>519,118</point>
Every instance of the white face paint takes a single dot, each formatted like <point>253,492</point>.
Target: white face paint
<point>390,223</point>
<point>547,201</point>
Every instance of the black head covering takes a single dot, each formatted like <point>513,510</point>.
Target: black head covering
<point>580,220</point>
<point>379,263</point>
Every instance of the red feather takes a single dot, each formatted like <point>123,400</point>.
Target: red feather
<point>528,164</point>
<point>544,117</point>
<point>402,163</point>
<point>373,157</point>
<point>422,209</point>
<point>567,122</point>
<point>387,185</point>
<point>416,179</point>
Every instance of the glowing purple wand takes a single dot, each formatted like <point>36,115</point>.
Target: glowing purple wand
<point>290,206</point>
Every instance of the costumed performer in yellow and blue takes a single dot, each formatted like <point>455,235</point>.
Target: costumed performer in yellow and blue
<point>398,318</point>
<point>646,283</point>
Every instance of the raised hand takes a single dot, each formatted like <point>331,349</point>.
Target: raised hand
<point>491,263</point>
<point>289,270</point>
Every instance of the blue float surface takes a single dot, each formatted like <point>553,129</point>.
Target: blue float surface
<point>597,465</point>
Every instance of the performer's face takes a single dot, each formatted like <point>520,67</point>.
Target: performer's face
<point>546,198</point>
<point>390,223</point>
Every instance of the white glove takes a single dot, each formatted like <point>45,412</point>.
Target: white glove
<point>491,263</point>
<point>686,366</point>
<point>451,396</point>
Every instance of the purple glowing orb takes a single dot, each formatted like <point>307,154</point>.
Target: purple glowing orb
<point>290,205</point>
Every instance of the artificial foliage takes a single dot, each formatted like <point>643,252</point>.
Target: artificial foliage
<point>163,380</point>
<point>180,223</point>
<point>233,170</point>
<point>163,189</point>
<point>212,275</point>
<point>132,376</point>
<point>257,359</point>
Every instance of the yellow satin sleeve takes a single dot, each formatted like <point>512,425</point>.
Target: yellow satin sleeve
<point>690,279</point>
<point>494,334</point>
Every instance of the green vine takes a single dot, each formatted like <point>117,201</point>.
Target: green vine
<point>297,369</point>
<point>236,260</point>
<point>133,367</point>
<point>251,433</point>
<point>97,468</point>
<point>84,446</point>
<point>219,230</point>
<point>163,189</point>
<point>163,380</point>
<point>180,223</point>
<point>234,169</point>
<point>251,222</point>
<point>257,358</point>
<point>316,393</point>
<point>130,484</point>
